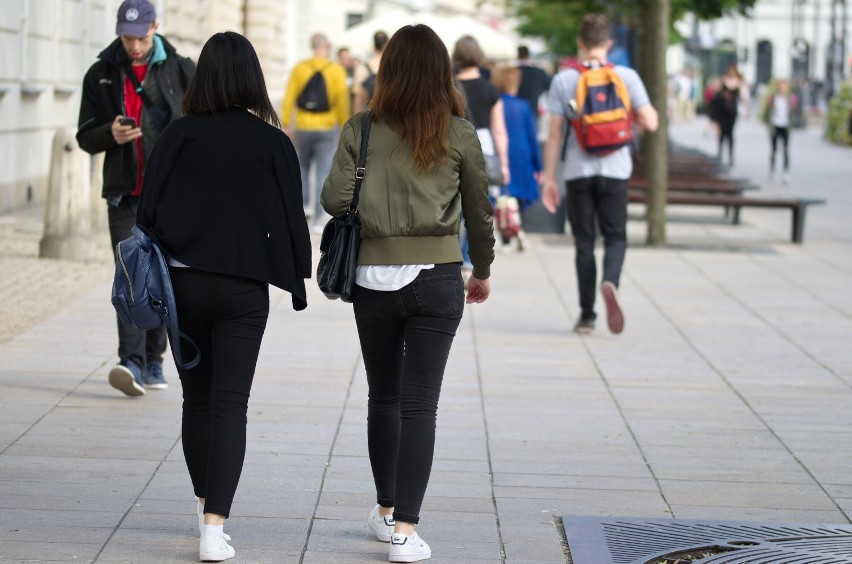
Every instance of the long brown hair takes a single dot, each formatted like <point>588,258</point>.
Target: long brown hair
<point>416,94</point>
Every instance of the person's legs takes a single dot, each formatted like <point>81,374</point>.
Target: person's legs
<point>581,215</point>
<point>436,300</point>
<point>326,145</point>
<point>380,331</point>
<point>305,146</point>
<point>784,133</point>
<point>773,135</point>
<point>231,313</point>
<point>612,217</point>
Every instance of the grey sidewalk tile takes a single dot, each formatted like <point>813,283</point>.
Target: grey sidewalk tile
<point>781,515</point>
<point>767,495</point>
<point>67,551</point>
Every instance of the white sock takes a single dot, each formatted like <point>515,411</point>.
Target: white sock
<point>213,530</point>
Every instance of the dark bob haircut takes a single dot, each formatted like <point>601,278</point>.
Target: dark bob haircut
<point>229,75</point>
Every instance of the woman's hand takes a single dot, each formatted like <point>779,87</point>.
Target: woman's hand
<point>477,290</point>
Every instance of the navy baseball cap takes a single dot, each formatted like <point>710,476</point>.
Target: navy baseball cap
<point>135,18</point>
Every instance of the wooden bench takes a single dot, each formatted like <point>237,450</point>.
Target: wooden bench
<point>735,202</point>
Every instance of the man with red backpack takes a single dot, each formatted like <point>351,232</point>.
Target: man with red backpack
<point>596,103</point>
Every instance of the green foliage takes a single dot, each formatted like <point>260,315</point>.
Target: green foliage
<point>556,21</point>
<point>839,116</point>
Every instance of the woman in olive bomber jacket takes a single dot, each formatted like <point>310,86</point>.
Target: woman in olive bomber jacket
<point>424,167</point>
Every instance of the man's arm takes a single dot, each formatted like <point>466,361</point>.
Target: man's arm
<point>647,118</point>
<point>93,135</point>
<point>550,196</point>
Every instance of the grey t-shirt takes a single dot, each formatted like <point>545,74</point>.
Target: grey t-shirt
<point>578,163</point>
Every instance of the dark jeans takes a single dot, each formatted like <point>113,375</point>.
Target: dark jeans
<point>140,346</point>
<point>226,317</point>
<point>406,337</point>
<point>603,201</point>
<point>726,133</point>
<point>782,133</point>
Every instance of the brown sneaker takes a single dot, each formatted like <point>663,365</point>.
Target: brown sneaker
<point>584,326</point>
<point>614,315</point>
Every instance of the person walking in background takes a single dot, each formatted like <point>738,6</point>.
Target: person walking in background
<point>485,112</point>
<point>779,105</point>
<point>713,85</point>
<point>524,154</point>
<point>364,80</point>
<point>534,81</point>
<point>729,101</point>
<point>129,97</point>
<point>222,197</point>
<point>596,184</point>
<point>349,63</point>
<point>424,167</point>
<point>319,112</point>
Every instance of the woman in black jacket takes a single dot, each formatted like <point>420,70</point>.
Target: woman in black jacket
<point>223,197</point>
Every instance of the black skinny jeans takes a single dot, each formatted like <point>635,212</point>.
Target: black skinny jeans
<point>782,133</point>
<point>226,317</point>
<point>406,337</point>
<point>603,201</point>
<point>141,346</point>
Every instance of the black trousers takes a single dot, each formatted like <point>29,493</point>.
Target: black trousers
<point>140,346</point>
<point>782,133</point>
<point>726,133</point>
<point>603,202</point>
<point>226,317</point>
<point>406,337</point>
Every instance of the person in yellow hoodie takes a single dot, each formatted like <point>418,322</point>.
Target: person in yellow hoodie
<point>313,126</point>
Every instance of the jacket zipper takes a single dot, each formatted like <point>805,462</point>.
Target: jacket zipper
<point>126,274</point>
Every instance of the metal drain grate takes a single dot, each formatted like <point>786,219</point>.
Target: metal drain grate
<point>626,540</point>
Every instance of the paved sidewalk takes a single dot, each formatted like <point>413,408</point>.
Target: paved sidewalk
<point>727,397</point>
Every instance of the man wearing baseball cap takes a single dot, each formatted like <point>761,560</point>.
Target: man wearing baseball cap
<point>129,96</point>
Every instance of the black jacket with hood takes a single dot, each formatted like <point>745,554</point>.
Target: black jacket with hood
<point>103,98</point>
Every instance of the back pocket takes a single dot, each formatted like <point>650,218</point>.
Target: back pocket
<point>440,296</point>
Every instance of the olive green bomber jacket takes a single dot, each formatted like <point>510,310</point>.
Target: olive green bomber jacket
<point>408,217</point>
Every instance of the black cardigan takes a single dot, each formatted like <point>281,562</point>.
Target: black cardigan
<point>222,192</point>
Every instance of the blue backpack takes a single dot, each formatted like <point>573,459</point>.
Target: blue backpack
<point>142,292</point>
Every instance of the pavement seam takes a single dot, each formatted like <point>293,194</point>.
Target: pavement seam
<point>49,411</point>
<point>330,455</point>
<point>136,501</point>
<point>730,385</point>
<point>501,545</point>
<point>560,297</point>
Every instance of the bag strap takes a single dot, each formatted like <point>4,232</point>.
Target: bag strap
<point>361,171</point>
<point>128,70</point>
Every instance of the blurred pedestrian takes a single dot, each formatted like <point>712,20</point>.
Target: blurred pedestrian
<point>364,81</point>
<point>710,89</point>
<point>129,97</point>
<point>729,102</point>
<point>222,198</point>
<point>779,106</point>
<point>317,120</point>
<point>524,154</point>
<point>485,112</point>
<point>424,166</point>
<point>534,80</point>
<point>596,184</point>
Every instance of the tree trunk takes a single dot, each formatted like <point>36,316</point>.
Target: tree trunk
<point>653,42</point>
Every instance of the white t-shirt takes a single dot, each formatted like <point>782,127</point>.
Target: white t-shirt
<point>578,163</point>
<point>780,111</point>
<point>388,277</point>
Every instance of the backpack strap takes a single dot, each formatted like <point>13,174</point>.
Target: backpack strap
<point>171,318</point>
<point>369,70</point>
<point>128,70</point>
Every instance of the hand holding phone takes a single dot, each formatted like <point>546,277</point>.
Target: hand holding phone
<point>124,129</point>
<point>127,121</point>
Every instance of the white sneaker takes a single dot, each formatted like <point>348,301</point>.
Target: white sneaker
<point>381,525</point>
<point>214,549</point>
<point>408,549</point>
<point>199,509</point>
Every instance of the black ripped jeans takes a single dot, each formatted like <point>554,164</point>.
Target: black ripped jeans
<point>406,337</point>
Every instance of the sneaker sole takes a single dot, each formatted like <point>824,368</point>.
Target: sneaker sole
<point>156,386</point>
<point>614,315</point>
<point>211,558</point>
<point>410,557</point>
<point>122,379</point>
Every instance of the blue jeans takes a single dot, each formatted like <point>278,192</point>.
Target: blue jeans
<point>406,337</point>
<point>314,148</point>
<point>603,201</point>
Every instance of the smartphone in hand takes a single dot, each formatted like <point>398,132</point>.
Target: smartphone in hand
<point>127,121</point>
